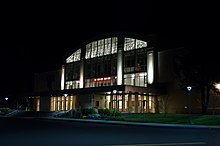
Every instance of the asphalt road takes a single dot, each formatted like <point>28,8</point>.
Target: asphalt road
<point>42,132</point>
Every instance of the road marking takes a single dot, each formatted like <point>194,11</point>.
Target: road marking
<point>164,144</point>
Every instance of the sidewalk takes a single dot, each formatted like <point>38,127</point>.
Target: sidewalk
<point>133,123</point>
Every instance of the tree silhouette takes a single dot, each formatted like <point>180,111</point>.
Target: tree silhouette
<point>197,69</point>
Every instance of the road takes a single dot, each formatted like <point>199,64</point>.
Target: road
<point>41,132</point>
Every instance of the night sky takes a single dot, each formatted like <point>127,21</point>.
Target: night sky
<point>35,36</point>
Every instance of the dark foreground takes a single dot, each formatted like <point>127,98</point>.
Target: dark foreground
<point>41,132</point>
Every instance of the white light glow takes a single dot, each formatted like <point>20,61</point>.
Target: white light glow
<point>133,76</point>
<point>189,88</point>
<point>150,68</point>
<point>217,86</point>
<point>150,102</point>
<point>62,78</point>
<point>119,68</point>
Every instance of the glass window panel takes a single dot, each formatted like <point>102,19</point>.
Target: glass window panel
<point>114,45</point>
<point>94,49</point>
<point>140,44</point>
<point>107,46</point>
<point>69,59</point>
<point>88,50</point>
<point>101,47</point>
<point>77,55</point>
<point>129,44</point>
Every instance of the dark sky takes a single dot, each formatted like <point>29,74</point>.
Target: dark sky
<point>35,36</point>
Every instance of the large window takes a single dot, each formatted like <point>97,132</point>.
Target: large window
<point>101,66</point>
<point>72,71</point>
<point>136,79</point>
<point>141,63</point>
<point>72,84</point>
<point>135,61</point>
<point>101,71</point>
<point>131,44</point>
<point>74,57</point>
<point>101,47</point>
<point>129,61</point>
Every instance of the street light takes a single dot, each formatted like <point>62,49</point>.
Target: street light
<point>189,88</point>
<point>6,99</point>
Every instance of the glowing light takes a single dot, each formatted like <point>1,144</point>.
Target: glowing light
<point>119,68</point>
<point>189,88</point>
<point>217,86</point>
<point>150,68</point>
<point>62,78</point>
<point>133,76</point>
<point>150,102</point>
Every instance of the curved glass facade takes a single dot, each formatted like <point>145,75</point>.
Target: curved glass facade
<point>103,65</point>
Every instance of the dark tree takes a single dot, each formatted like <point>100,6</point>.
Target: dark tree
<point>198,69</point>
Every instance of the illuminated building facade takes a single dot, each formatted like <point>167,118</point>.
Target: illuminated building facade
<point>116,71</point>
<point>112,71</point>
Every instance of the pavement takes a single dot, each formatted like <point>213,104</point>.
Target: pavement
<point>132,123</point>
<point>50,116</point>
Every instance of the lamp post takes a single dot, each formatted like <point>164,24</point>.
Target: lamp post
<point>189,88</point>
<point>6,99</point>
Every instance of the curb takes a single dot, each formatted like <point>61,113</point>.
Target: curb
<point>133,123</point>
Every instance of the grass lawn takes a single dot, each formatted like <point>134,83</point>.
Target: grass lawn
<point>172,118</point>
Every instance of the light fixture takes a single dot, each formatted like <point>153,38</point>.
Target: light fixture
<point>189,88</point>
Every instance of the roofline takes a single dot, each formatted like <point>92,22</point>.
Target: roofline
<point>149,38</point>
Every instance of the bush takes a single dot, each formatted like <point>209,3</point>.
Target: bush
<point>5,110</point>
<point>115,112</point>
<point>104,112</point>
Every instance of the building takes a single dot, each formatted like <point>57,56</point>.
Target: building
<point>120,71</point>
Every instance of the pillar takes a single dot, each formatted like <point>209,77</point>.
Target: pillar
<point>136,103</point>
<point>45,103</point>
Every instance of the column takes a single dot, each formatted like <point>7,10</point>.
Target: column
<point>82,68</point>
<point>150,67</point>
<point>136,102</point>
<point>129,103</point>
<point>45,103</point>
<point>123,101</point>
<point>111,102</point>
<point>120,64</point>
<point>81,78</point>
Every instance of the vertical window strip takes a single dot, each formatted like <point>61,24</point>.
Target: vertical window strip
<point>88,51</point>
<point>100,47</point>
<point>94,49</point>
<point>114,45</point>
<point>77,55</point>
<point>107,46</point>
